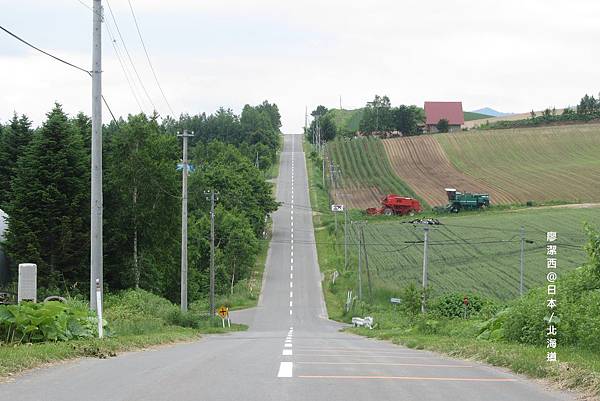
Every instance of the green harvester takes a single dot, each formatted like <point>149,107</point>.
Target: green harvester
<point>458,201</point>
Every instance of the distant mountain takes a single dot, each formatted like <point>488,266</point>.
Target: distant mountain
<point>491,112</point>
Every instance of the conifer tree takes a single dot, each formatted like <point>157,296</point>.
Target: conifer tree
<point>15,137</point>
<point>48,212</point>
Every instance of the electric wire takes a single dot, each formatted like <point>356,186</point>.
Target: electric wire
<point>58,59</point>
<point>120,58</point>
<point>148,58</point>
<point>129,55</point>
<point>113,42</point>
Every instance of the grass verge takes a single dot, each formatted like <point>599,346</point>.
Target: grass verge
<point>136,319</point>
<point>578,370</point>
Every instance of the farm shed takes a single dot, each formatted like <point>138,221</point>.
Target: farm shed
<point>451,111</point>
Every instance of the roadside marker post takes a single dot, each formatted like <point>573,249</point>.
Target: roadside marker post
<point>99,308</point>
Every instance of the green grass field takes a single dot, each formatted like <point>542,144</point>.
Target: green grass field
<point>470,116</point>
<point>347,119</point>
<point>366,173</point>
<point>474,253</point>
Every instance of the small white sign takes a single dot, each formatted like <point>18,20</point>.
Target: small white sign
<point>27,287</point>
<point>337,208</point>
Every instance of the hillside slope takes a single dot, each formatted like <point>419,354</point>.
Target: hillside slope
<point>540,164</point>
<point>421,162</point>
<point>365,173</point>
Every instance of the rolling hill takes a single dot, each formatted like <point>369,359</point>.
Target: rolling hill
<point>471,116</point>
<point>515,166</point>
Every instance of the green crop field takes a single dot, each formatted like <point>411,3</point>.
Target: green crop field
<point>470,116</point>
<point>540,164</point>
<point>472,253</point>
<point>366,174</point>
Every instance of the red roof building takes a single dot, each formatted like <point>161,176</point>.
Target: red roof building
<point>451,111</point>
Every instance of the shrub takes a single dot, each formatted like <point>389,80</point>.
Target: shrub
<point>48,321</point>
<point>451,305</point>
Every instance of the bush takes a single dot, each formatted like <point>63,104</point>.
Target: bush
<point>139,312</point>
<point>48,321</point>
<point>451,305</point>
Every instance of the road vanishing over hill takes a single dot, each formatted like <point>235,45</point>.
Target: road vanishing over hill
<point>291,351</point>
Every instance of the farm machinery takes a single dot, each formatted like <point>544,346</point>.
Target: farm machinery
<point>458,201</point>
<point>395,204</point>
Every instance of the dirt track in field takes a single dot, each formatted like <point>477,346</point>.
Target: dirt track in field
<point>422,163</point>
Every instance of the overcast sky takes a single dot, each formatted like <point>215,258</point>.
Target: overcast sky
<point>511,55</point>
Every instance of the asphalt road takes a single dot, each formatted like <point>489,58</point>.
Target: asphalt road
<point>290,352</point>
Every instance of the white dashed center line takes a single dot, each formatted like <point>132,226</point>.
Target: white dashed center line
<point>285,369</point>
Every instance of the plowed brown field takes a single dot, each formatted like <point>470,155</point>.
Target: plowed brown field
<point>422,163</point>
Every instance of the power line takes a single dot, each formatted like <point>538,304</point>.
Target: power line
<point>44,52</point>
<point>148,58</point>
<point>123,68</point>
<point>129,55</point>
<point>113,42</point>
<point>58,59</point>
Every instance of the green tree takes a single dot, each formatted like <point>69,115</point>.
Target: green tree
<point>377,116</point>
<point>142,205</point>
<point>48,214</point>
<point>240,184</point>
<point>320,111</point>
<point>13,141</point>
<point>443,125</point>
<point>327,127</point>
<point>407,119</point>
<point>272,111</point>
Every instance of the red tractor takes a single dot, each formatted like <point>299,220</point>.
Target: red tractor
<point>395,204</point>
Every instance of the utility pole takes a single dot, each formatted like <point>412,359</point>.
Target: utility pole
<point>522,260</point>
<point>425,265</point>
<point>359,243</point>
<point>211,195</point>
<point>362,235</point>
<point>345,238</point>
<point>305,118</point>
<point>96,268</point>
<point>323,169</point>
<point>184,221</point>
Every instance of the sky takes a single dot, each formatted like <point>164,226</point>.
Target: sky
<point>513,56</point>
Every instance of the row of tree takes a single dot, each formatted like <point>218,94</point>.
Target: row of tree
<point>587,110</point>
<point>380,116</point>
<point>45,191</point>
<point>377,117</point>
